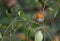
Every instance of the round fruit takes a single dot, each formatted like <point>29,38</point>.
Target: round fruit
<point>38,36</point>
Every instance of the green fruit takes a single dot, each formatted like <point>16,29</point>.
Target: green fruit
<point>0,35</point>
<point>38,36</point>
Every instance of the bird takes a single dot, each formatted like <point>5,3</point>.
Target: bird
<point>40,17</point>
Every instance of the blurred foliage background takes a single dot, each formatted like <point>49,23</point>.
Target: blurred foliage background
<point>23,16</point>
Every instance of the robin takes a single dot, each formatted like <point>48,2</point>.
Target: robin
<point>40,17</point>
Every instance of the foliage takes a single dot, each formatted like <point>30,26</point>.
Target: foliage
<point>22,16</point>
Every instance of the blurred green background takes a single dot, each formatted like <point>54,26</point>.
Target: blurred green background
<point>23,16</point>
